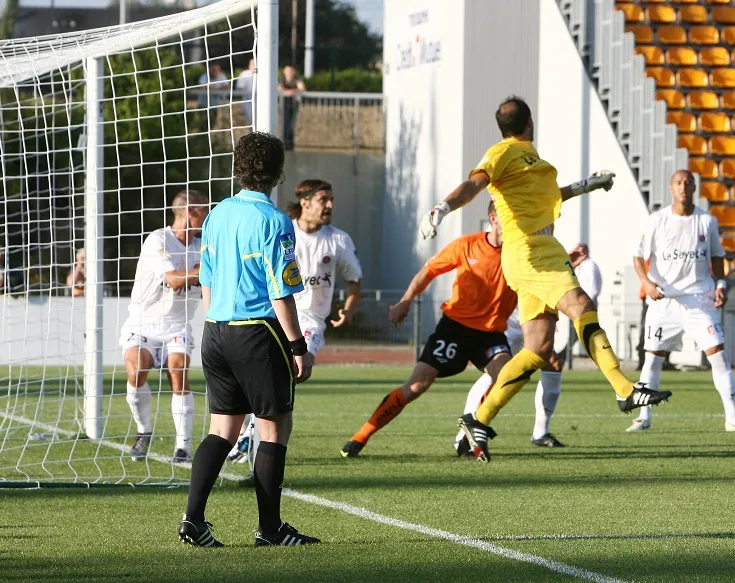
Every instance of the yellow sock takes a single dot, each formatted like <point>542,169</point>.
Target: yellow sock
<point>597,345</point>
<point>512,378</point>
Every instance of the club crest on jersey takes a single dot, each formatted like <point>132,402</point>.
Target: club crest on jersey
<point>701,237</point>
<point>326,259</point>
<point>288,246</point>
<point>291,275</point>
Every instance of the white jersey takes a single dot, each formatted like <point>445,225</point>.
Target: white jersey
<point>680,249</point>
<point>320,255</point>
<point>153,304</point>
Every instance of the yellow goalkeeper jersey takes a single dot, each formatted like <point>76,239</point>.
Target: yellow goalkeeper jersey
<point>527,197</point>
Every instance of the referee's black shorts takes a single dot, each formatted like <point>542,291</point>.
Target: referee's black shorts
<point>247,366</point>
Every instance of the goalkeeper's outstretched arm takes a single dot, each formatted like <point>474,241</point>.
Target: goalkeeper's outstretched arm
<point>459,197</point>
<point>600,179</point>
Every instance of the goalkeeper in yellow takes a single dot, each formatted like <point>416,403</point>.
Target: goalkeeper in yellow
<point>536,266</point>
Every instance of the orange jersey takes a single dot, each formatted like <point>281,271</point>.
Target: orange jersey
<point>481,298</point>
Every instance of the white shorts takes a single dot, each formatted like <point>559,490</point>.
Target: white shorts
<point>667,320</point>
<point>514,333</point>
<point>159,344</point>
<point>313,331</point>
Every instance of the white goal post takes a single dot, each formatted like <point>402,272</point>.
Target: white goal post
<point>99,130</point>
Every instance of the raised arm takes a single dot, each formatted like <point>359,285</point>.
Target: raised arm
<point>459,197</point>
<point>600,179</point>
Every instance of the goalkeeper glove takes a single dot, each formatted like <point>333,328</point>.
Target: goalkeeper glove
<point>431,220</point>
<point>601,179</point>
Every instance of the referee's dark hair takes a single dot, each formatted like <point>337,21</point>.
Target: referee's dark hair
<point>258,161</point>
<point>512,116</point>
<point>305,189</point>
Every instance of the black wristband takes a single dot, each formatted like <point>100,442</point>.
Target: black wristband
<point>298,347</point>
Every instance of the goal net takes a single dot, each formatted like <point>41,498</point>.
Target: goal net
<point>99,130</point>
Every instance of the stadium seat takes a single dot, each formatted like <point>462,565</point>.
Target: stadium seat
<point>725,215</point>
<point>673,98</point>
<point>723,77</point>
<point>703,100</point>
<point>695,14</point>
<point>664,77</point>
<point>671,35</point>
<point>722,145</point>
<point>685,122</point>
<point>723,14</point>
<point>714,122</point>
<point>653,55</point>
<point>663,13</point>
<point>716,1</point>
<point>696,145</point>
<point>728,100</point>
<point>714,192</point>
<point>728,244</point>
<point>714,57</point>
<point>643,33</point>
<point>728,35</point>
<point>727,168</point>
<point>705,167</point>
<point>692,77</point>
<point>633,12</point>
<point>682,56</point>
<point>704,35</point>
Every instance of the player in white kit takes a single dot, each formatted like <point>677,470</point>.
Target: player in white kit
<point>683,244</point>
<point>157,332</point>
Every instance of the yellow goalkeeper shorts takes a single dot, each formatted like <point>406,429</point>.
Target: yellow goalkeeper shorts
<point>538,268</point>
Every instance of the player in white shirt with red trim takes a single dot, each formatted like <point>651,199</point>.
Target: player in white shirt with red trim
<point>683,244</point>
<point>157,332</point>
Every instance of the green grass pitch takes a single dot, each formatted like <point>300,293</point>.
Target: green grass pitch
<point>617,507</point>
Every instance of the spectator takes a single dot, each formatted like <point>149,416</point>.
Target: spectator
<point>588,273</point>
<point>216,81</point>
<point>76,277</point>
<point>244,88</point>
<point>290,86</point>
<point>11,279</point>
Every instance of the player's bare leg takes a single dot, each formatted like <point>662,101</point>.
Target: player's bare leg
<point>182,404</point>
<point>138,361</point>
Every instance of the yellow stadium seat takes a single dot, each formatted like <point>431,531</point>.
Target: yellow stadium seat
<point>692,77</point>
<point>633,12</point>
<point>643,33</point>
<point>703,100</point>
<point>685,122</point>
<point>728,35</point>
<point>725,215</point>
<point>714,122</point>
<point>664,13</point>
<point>682,56</point>
<point>704,35</point>
<point>722,145</point>
<point>727,168</point>
<point>671,35</point>
<point>714,56</point>
<point>724,77</point>
<point>705,167</point>
<point>723,14</point>
<point>695,14</point>
<point>653,55</point>
<point>673,98</point>
<point>714,192</point>
<point>664,77</point>
<point>696,145</point>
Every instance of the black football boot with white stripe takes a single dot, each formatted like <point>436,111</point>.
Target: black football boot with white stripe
<point>477,434</point>
<point>197,533</point>
<point>287,536</point>
<point>642,396</point>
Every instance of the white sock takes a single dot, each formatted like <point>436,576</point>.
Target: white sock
<point>182,408</point>
<point>548,391</point>
<point>140,400</point>
<point>474,397</point>
<point>723,378</point>
<point>651,376</point>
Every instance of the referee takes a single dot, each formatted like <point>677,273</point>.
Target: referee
<point>253,352</point>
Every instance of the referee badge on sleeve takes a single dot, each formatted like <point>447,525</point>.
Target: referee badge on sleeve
<point>288,246</point>
<point>291,275</point>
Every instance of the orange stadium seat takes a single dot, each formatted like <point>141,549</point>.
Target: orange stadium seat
<point>728,244</point>
<point>664,77</point>
<point>664,13</point>
<point>725,215</point>
<point>688,2</point>
<point>704,35</point>
<point>682,56</point>
<point>714,122</point>
<point>703,100</point>
<point>717,1</point>
<point>633,12</point>
<point>671,35</point>
<point>653,55</point>
<point>714,192</point>
<point>714,56</point>
<point>673,98</point>
<point>643,33</point>
<point>696,145</point>
<point>724,77</point>
<point>685,122</point>
<point>692,77</point>
<point>705,167</point>
<point>722,145</point>
<point>728,35</point>
<point>727,168</point>
<point>695,14</point>
<point>723,14</point>
<point>728,100</point>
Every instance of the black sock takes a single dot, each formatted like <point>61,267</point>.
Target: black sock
<point>208,459</point>
<point>270,465</point>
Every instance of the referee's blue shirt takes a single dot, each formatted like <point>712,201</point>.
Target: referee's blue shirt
<point>248,258</point>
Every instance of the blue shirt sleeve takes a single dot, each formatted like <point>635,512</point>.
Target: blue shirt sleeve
<point>205,265</point>
<point>279,257</point>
